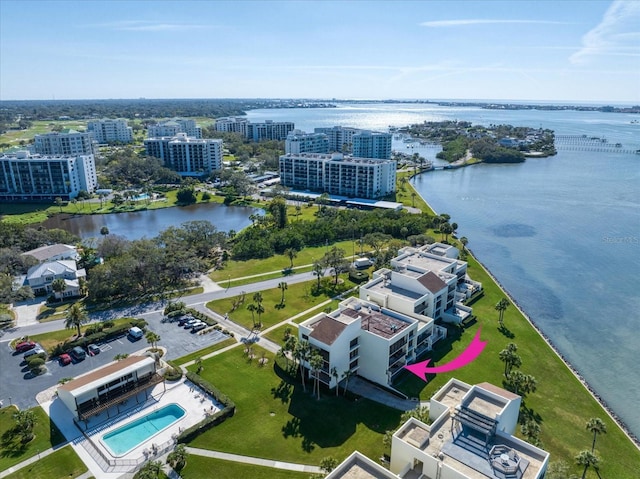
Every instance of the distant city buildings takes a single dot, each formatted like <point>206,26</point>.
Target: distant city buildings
<point>174,126</point>
<point>111,131</point>
<point>66,142</point>
<point>45,177</point>
<point>188,156</point>
<point>337,174</point>
<point>267,130</point>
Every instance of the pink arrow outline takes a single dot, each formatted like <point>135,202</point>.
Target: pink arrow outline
<point>469,354</point>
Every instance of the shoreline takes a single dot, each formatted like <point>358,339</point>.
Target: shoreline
<point>610,412</point>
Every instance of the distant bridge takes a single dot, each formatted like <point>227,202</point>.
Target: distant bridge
<point>590,143</point>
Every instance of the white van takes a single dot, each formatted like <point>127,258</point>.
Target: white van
<point>136,333</point>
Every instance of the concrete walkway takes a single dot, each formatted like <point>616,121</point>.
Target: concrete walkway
<point>31,460</point>
<point>367,390</point>
<point>288,466</point>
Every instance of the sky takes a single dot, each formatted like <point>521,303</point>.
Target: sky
<point>544,50</point>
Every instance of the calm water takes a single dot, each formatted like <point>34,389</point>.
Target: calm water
<point>149,223</point>
<point>561,234</point>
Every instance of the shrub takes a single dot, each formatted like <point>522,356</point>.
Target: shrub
<point>35,364</point>
<point>177,306</point>
<point>109,323</point>
<point>173,372</point>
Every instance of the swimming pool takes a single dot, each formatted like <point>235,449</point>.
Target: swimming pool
<point>131,435</point>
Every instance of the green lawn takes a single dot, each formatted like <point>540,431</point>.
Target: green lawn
<point>332,306</point>
<point>62,463</point>
<point>277,335</point>
<point>561,402</point>
<point>275,419</point>
<point>276,263</point>
<point>12,451</point>
<point>39,127</point>
<point>198,467</point>
<point>298,297</point>
<point>203,352</point>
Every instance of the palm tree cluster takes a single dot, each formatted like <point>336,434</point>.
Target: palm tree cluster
<point>586,458</point>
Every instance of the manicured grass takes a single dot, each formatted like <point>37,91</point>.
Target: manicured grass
<point>562,403</point>
<point>277,335</point>
<point>204,351</point>
<point>276,263</point>
<point>39,127</point>
<point>275,419</point>
<point>263,277</point>
<point>199,466</point>
<point>332,306</point>
<point>298,297</point>
<point>62,463</point>
<point>13,452</point>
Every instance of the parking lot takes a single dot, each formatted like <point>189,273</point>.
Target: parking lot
<point>20,387</point>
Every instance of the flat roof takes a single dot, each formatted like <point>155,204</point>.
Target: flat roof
<point>377,322</point>
<point>105,374</point>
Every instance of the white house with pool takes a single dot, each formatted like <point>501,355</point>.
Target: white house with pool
<point>121,415</point>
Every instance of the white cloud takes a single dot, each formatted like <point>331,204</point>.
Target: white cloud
<point>149,26</point>
<point>616,34</point>
<point>485,21</point>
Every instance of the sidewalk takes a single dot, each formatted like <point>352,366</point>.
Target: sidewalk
<point>288,466</point>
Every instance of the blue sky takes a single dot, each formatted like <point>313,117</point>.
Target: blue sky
<point>520,50</point>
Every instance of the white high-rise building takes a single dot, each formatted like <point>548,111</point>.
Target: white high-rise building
<point>340,138</point>
<point>188,156</point>
<point>337,174</point>
<point>173,127</point>
<point>269,130</point>
<point>67,142</point>
<point>367,144</point>
<point>41,177</point>
<point>111,131</point>
<point>300,142</point>
<point>232,125</point>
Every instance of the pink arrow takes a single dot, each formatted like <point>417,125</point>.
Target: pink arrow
<point>471,353</point>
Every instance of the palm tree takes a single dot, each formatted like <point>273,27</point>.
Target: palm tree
<point>177,459</point>
<point>413,199</point>
<point>291,254</point>
<point>59,286</point>
<point>510,359</point>
<point>596,426</point>
<point>587,459</point>
<point>301,354</point>
<point>464,241</point>
<point>104,231</point>
<point>151,470</point>
<point>318,271</point>
<point>152,338</point>
<point>334,373</point>
<point>501,307</point>
<point>252,307</point>
<point>283,287</point>
<point>83,286</point>
<point>531,430</point>
<point>76,317</point>
<point>446,229</point>
<point>58,202</point>
<point>316,363</point>
<point>346,375</point>
<point>259,311</point>
<point>25,423</point>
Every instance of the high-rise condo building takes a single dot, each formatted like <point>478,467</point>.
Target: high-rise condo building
<point>67,142</point>
<point>188,156</point>
<point>111,131</point>
<point>300,142</point>
<point>173,127</point>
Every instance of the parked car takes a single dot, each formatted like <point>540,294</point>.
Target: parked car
<point>198,327</point>
<point>183,319</point>
<point>136,333</point>
<point>64,359</point>
<point>93,349</point>
<point>25,346</point>
<point>78,353</point>
<point>32,352</point>
<point>191,323</point>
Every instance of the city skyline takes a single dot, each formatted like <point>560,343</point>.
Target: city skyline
<point>580,51</point>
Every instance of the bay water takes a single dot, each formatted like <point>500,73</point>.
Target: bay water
<point>561,234</point>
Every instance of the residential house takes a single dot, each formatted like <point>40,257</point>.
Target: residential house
<point>41,277</point>
<point>53,252</point>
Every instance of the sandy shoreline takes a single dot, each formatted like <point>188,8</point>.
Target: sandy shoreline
<point>632,437</point>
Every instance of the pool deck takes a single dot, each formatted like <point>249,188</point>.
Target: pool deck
<point>183,392</point>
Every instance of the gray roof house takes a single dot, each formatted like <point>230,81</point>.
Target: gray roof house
<point>42,276</point>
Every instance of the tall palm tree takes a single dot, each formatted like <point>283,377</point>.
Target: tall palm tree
<point>152,338</point>
<point>59,286</point>
<point>346,375</point>
<point>464,241</point>
<point>318,271</point>
<point>334,373</point>
<point>26,421</point>
<point>76,317</point>
<point>291,254</point>
<point>596,426</point>
<point>501,307</point>
<point>510,359</point>
<point>252,307</point>
<point>301,354</point>
<point>283,287</point>
<point>83,286</point>
<point>587,459</point>
<point>316,363</point>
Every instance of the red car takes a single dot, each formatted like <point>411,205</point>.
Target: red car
<point>65,359</point>
<point>25,346</point>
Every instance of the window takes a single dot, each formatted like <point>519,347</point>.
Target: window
<point>353,365</point>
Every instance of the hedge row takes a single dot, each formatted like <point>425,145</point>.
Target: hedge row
<point>173,373</point>
<point>201,316</point>
<point>210,421</point>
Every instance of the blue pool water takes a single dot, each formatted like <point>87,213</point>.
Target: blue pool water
<point>131,435</point>
<point>141,197</point>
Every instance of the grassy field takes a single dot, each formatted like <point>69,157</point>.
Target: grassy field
<point>12,451</point>
<point>276,419</point>
<point>205,351</point>
<point>278,262</point>
<point>277,335</point>
<point>62,463</point>
<point>199,466</point>
<point>298,297</point>
<point>14,137</point>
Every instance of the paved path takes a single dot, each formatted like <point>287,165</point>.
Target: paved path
<point>31,460</point>
<point>289,466</point>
